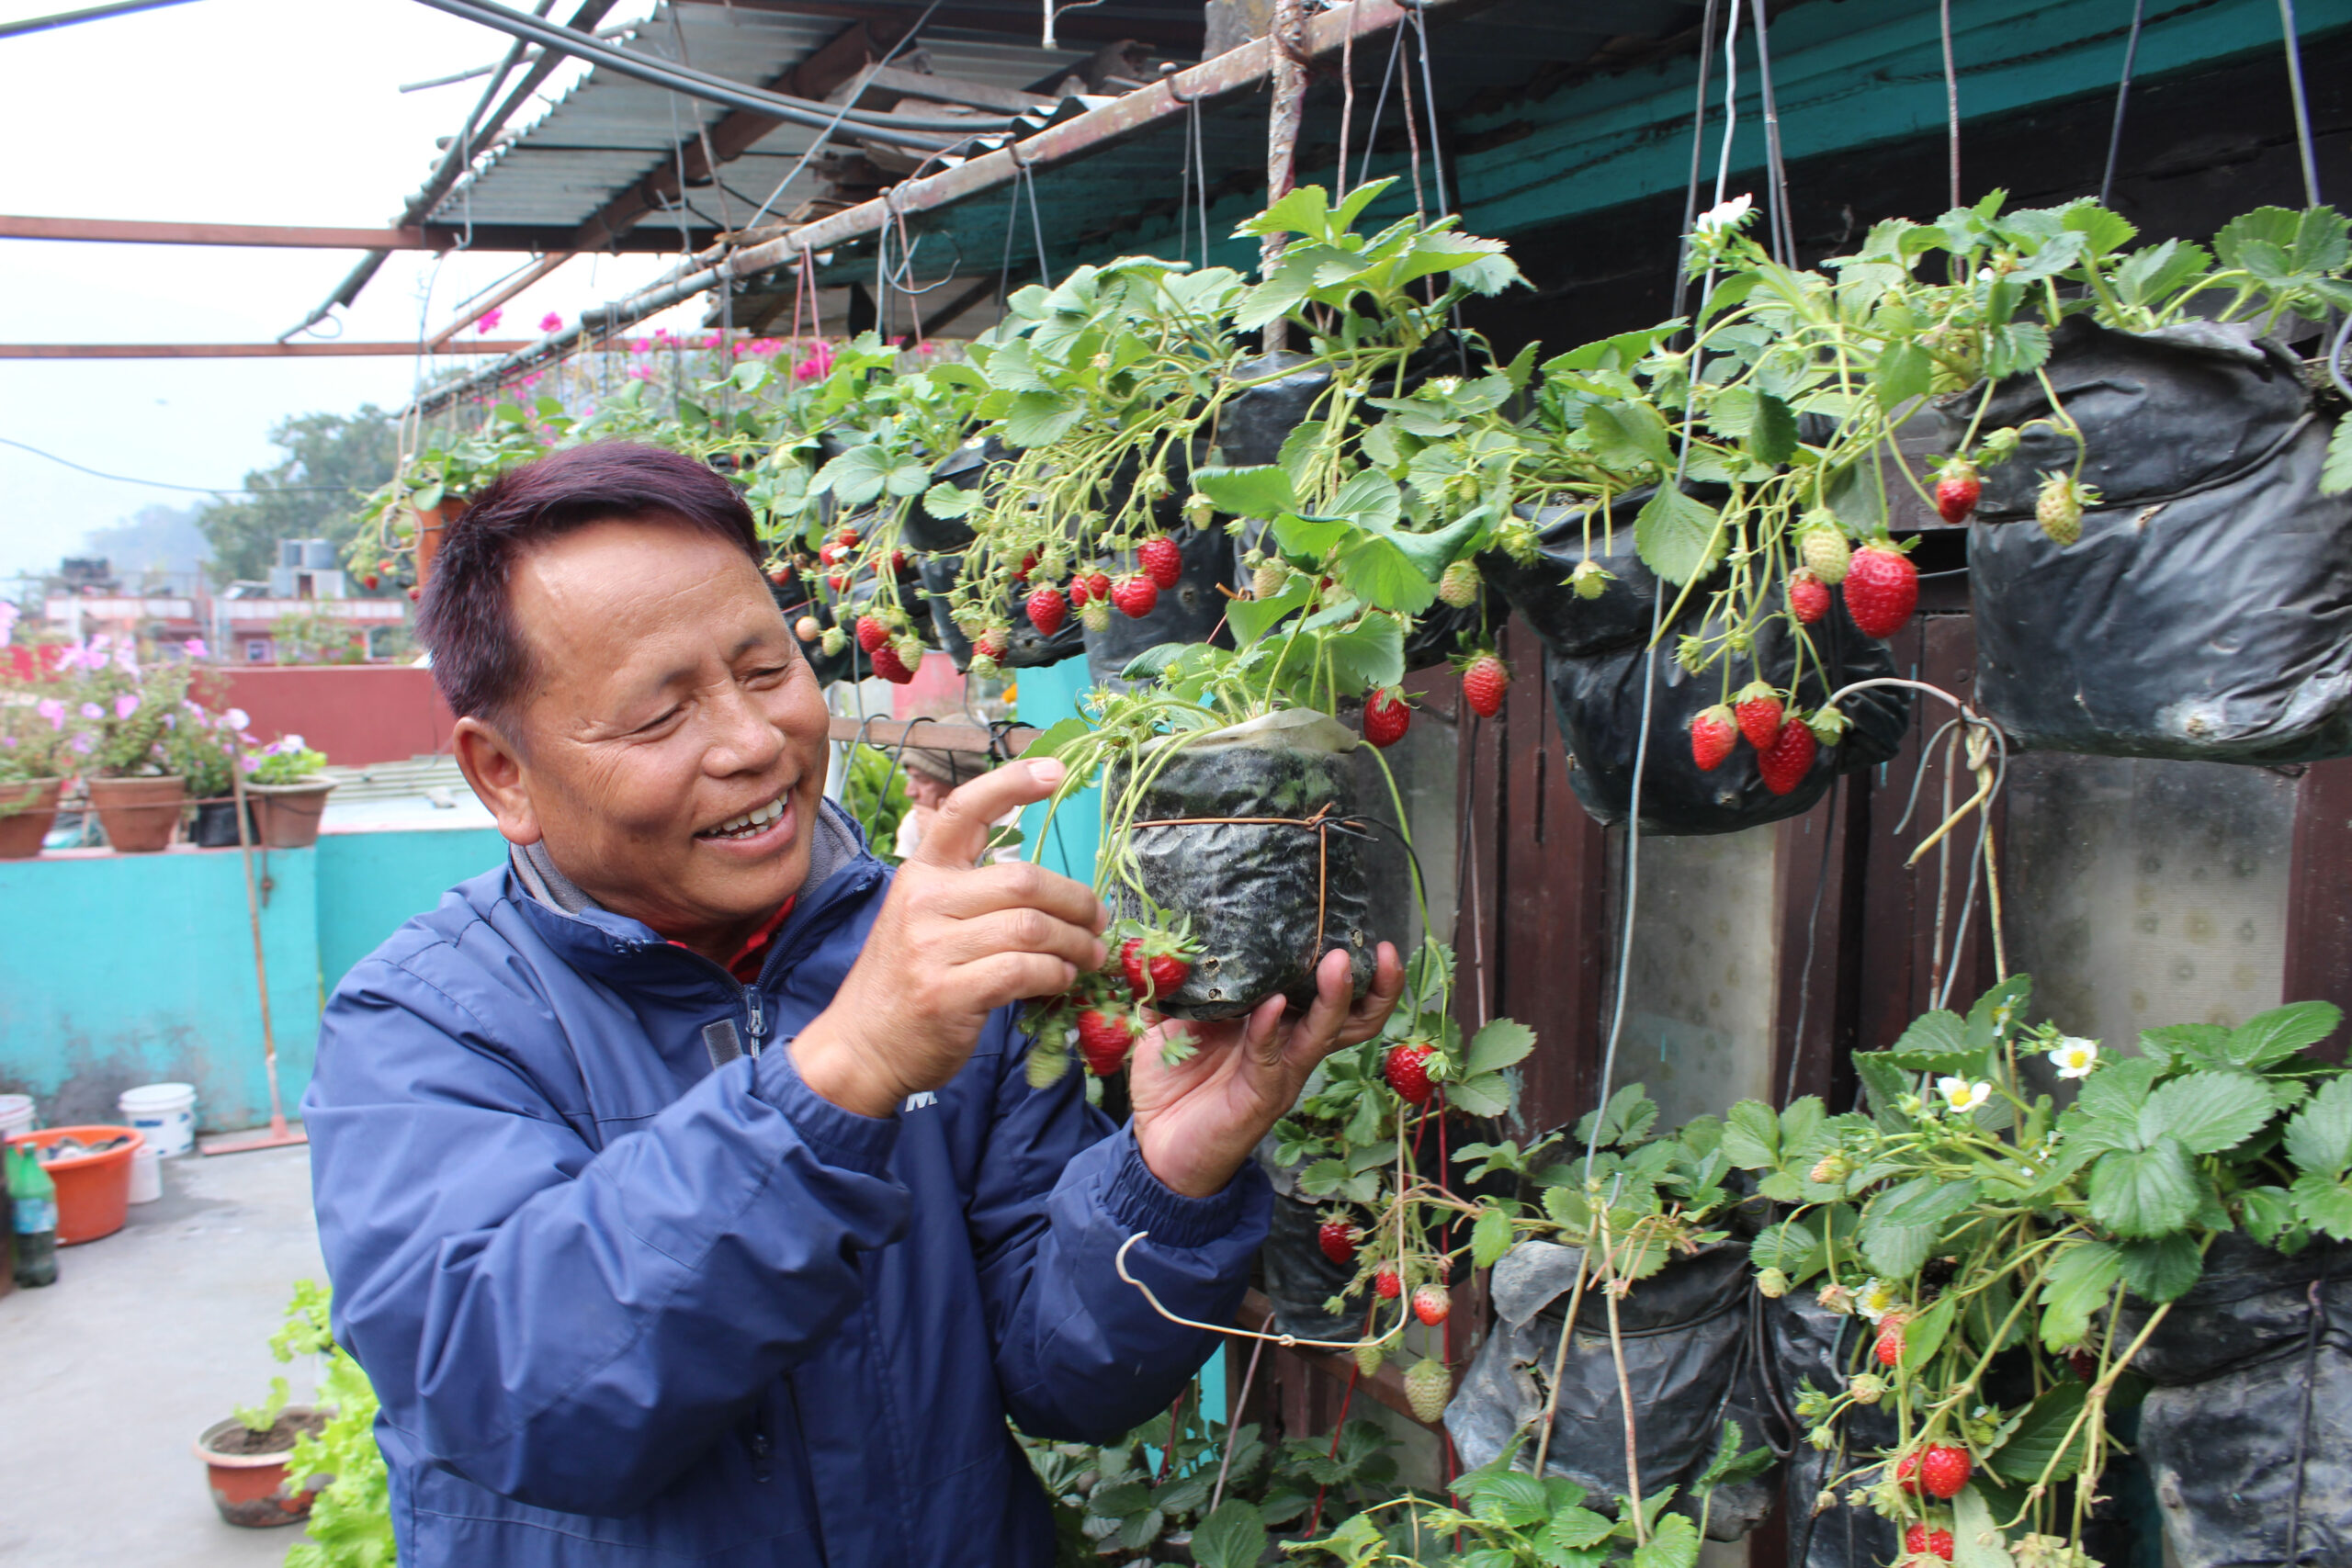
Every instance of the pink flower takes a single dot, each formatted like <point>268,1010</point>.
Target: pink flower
<point>641,372</point>
<point>818,366</point>
<point>551,323</point>
<point>82,745</point>
<point>926,348</point>
<point>171,721</point>
<point>126,705</point>
<point>236,719</point>
<point>250,762</point>
<point>93,711</point>
<point>8,740</point>
<point>532,379</point>
<point>78,656</point>
<point>196,649</point>
<point>52,710</point>
<point>488,321</point>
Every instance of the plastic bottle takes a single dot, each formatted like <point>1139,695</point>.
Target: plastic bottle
<point>34,1198</point>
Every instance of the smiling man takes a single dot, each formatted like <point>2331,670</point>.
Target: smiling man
<point>683,1194</point>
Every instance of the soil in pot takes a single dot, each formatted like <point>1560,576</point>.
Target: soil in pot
<point>2205,613</point>
<point>1250,833</point>
<point>30,805</point>
<point>139,814</point>
<point>246,1469</point>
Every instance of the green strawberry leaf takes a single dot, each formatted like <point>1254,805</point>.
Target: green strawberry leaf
<point>2271,1037</point>
<point>2076,1285</point>
<point>1752,1135</point>
<point>2160,1270</point>
<point>1924,1334</point>
<point>1498,1045</point>
<point>2206,1111</point>
<point>1234,1536</point>
<point>2144,1193</point>
<point>2319,1136</point>
<point>1678,536</point>
<point>2035,1441</point>
<point>2335,473</point>
<point>1263,490</point>
<point>1936,1043</point>
<point>1673,1543</point>
<point>2323,1204</point>
<point>1490,1237</point>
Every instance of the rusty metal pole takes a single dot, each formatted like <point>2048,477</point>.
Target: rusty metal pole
<point>1288,38</point>
<point>280,1134</point>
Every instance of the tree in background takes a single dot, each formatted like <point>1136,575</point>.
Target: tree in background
<point>332,462</point>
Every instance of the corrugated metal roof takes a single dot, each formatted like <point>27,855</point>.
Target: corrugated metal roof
<point>608,131</point>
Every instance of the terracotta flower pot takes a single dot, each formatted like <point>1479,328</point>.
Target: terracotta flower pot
<point>430,526</point>
<point>27,809</point>
<point>286,817</point>
<point>252,1489</point>
<point>138,814</point>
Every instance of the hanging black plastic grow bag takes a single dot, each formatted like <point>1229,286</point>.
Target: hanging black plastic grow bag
<point>1193,611</point>
<point>1299,1277</point>
<point>2247,1432</point>
<point>1251,832</point>
<point>1565,620</point>
<point>1812,1347</point>
<point>2206,611</point>
<point>1599,699</point>
<point>1684,1333</point>
<point>1025,646</point>
<point>966,468</point>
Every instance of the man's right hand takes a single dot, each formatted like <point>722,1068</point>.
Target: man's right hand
<point>952,944</point>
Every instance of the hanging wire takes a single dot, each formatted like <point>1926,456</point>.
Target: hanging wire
<point>1429,106</point>
<point>2122,95</point>
<point>1776,172</point>
<point>1698,152</point>
<point>2302,103</point>
<point>1952,101</point>
<point>1387,76</point>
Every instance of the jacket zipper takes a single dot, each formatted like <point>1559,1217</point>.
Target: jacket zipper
<point>758,1023</point>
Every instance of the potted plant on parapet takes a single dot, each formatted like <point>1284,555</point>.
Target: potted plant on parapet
<point>37,732</point>
<point>129,705</point>
<point>202,747</point>
<point>289,792</point>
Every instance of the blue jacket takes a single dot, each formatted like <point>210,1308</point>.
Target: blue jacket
<point>624,1306</point>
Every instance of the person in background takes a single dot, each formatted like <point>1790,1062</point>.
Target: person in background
<point>932,774</point>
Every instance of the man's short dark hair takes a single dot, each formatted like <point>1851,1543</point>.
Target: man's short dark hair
<point>466,616</point>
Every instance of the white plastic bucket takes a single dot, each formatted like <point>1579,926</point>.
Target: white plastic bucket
<point>146,1173</point>
<point>16,1115</point>
<point>165,1112</point>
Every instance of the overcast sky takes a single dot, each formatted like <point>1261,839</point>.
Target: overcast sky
<point>237,111</point>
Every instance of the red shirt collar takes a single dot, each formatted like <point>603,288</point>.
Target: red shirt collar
<point>745,965</point>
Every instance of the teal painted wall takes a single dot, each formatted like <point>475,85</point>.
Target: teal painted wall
<point>1045,697</point>
<point>371,882</point>
<point>118,970</point>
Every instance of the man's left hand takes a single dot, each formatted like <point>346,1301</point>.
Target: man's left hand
<point>1197,1121</point>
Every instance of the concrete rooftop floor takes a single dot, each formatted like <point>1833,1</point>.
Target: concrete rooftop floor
<point>148,1338</point>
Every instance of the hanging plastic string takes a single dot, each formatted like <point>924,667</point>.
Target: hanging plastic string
<point>1379,105</point>
<point>2302,102</point>
<point>1192,179</point>
<point>1036,219</point>
<point>2122,95</point>
<point>1429,101</point>
<point>1698,154</point>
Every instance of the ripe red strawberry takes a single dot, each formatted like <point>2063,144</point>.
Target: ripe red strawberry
<point>1889,1348</point>
<point>1135,596</point>
<point>385,567</point>
<point>1407,1068</point>
<point>1079,591</point>
<point>1808,596</point>
<point>1151,974</point>
<point>1759,709</point>
<point>1161,560</point>
<point>1103,1040</point>
<point>832,554</point>
<point>1337,1237</point>
<point>1098,587</point>
<point>1944,1470</point>
<point>1430,1304</point>
<point>1712,734</point>
<point>1881,590</point>
<point>890,667</point>
<point>991,643</point>
<point>2086,1365</point>
<point>414,594</point>
<point>1784,765</point>
<point>1957,487</point>
<point>846,538</point>
<point>1386,1283</point>
<point>369,583</point>
<point>1385,717</point>
<point>838,581</point>
<point>1028,564</point>
<point>781,576</point>
<point>1482,679</point>
<point>1906,1472</point>
<point>898,563</point>
<point>1922,1541</point>
<point>871,633</point>
<point>1047,610</point>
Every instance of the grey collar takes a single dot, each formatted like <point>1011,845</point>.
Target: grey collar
<point>835,845</point>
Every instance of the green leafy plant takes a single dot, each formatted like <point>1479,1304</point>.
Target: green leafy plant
<point>350,1524</point>
<point>284,760</point>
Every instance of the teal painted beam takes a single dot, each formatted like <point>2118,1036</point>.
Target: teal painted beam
<point>369,884</point>
<point>118,970</point>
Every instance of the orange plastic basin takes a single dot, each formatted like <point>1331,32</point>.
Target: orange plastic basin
<point>93,1191</point>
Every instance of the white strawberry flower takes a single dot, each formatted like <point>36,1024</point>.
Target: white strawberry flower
<point>1962,1096</point>
<point>1724,215</point>
<point>2074,1057</point>
<point>1878,1299</point>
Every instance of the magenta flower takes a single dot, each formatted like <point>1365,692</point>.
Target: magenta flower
<point>93,711</point>
<point>488,321</point>
<point>82,745</point>
<point>196,649</point>
<point>126,705</point>
<point>818,366</point>
<point>551,323</point>
<point>52,710</point>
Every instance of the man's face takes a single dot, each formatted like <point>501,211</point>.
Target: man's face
<point>672,748</point>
